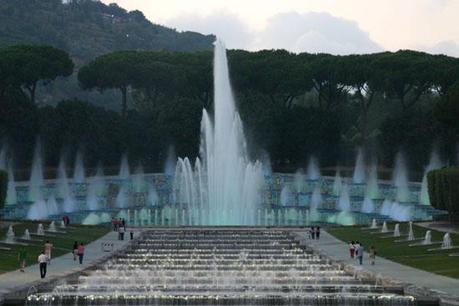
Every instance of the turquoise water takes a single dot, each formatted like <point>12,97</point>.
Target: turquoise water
<point>283,201</point>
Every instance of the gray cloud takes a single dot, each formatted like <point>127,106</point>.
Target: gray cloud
<point>309,32</point>
<point>228,27</point>
<point>449,47</point>
<point>315,32</point>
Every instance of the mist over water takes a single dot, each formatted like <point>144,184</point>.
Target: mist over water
<point>400,178</point>
<point>223,186</point>
<point>79,175</point>
<point>434,163</point>
<point>313,171</point>
<point>36,175</point>
<point>359,169</point>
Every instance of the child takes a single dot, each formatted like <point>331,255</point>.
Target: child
<point>372,252</point>
<point>352,249</point>
<point>75,250</point>
<point>359,252</point>
<point>22,256</point>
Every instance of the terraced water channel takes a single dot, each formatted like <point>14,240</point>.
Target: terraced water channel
<point>220,267</point>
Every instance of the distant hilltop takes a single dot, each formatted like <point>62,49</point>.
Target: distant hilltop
<point>87,28</point>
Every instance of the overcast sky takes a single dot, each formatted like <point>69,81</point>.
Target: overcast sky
<point>333,26</point>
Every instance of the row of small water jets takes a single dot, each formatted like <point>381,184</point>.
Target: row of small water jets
<point>63,198</point>
<point>445,244</point>
<point>11,237</point>
<point>368,177</point>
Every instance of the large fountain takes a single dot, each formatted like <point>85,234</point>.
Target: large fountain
<point>223,186</point>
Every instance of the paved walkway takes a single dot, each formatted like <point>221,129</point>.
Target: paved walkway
<point>338,250</point>
<point>445,227</point>
<point>60,266</point>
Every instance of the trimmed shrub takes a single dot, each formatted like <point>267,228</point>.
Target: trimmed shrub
<point>443,185</point>
<point>3,187</point>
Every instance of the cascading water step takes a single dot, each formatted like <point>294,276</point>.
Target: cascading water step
<point>268,268</point>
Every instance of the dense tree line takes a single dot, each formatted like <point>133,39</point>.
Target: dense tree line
<point>87,29</point>
<point>293,105</point>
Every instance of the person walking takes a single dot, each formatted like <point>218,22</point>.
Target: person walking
<point>42,262</point>
<point>48,247</point>
<point>121,231</point>
<point>372,255</point>
<point>313,233</point>
<point>22,256</point>
<point>318,232</point>
<point>75,250</point>
<point>81,252</point>
<point>360,253</point>
<point>356,246</point>
<point>352,249</point>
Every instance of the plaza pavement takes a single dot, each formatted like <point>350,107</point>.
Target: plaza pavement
<point>61,266</point>
<point>338,250</point>
<point>445,227</point>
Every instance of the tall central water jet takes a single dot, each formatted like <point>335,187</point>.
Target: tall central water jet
<point>223,188</point>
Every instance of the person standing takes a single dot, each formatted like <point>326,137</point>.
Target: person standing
<point>81,252</point>
<point>352,249</point>
<point>75,250</point>
<point>360,253</point>
<point>42,262</point>
<point>318,232</point>
<point>22,256</point>
<point>372,252</point>
<point>313,233</point>
<point>48,247</point>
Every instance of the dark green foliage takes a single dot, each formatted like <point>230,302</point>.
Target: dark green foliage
<point>444,190</point>
<point>25,65</point>
<point>292,106</point>
<point>143,70</point>
<point>87,28</point>
<point>433,185</point>
<point>447,111</point>
<point>3,187</point>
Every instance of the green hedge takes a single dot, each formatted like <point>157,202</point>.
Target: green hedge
<point>3,187</point>
<point>443,185</point>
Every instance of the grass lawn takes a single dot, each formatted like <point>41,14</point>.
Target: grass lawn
<point>63,243</point>
<point>438,262</point>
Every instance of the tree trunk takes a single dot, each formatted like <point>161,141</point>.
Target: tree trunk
<point>124,101</point>
<point>364,128</point>
<point>32,88</point>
